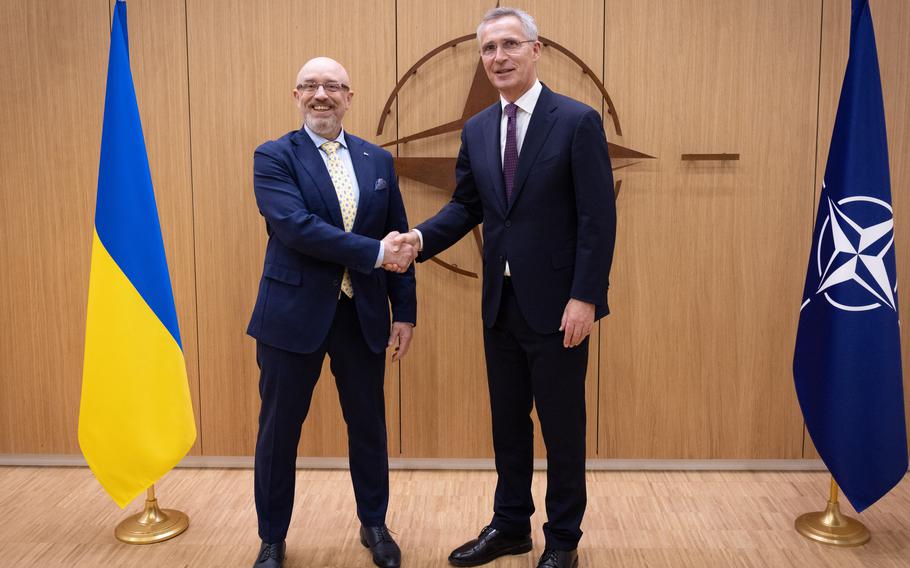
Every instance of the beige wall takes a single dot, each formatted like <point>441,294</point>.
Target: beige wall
<point>693,363</point>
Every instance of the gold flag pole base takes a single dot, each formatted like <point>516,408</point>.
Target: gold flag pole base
<point>151,525</point>
<point>832,527</point>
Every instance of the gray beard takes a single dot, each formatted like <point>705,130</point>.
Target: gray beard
<point>324,127</point>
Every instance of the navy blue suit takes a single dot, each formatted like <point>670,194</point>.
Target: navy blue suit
<point>299,316</point>
<point>557,233</point>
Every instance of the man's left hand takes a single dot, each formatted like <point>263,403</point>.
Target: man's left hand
<point>400,338</point>
<point>577,322</point>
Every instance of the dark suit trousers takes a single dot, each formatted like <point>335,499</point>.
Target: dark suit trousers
<point>286,386</point>
<point>525,368</point>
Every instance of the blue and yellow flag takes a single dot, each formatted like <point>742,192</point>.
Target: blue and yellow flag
<point>847,361</point>
<point>136,416</point>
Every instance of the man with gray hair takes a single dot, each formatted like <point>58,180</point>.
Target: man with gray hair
<point>535,170</point>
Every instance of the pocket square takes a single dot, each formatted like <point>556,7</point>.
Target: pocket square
<point>380,184</point>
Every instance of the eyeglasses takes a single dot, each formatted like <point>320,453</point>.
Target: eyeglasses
<point>330,87</point>
<point>510,46</point>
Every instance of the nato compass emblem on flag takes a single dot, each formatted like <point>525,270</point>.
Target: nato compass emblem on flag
<point>855,238</point>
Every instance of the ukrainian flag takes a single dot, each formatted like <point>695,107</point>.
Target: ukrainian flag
<point>136,416</point>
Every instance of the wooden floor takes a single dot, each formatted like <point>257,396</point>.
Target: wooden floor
<point>60,517</point>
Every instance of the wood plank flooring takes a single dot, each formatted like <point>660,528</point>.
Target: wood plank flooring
<point>60,517</point>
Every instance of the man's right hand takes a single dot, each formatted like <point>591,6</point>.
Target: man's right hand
<point>410,238</point>
<point>397,253</point>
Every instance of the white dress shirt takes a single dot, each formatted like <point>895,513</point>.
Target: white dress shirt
<point>525,104</point>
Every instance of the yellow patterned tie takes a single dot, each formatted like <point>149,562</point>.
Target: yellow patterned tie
<point>346,200</point>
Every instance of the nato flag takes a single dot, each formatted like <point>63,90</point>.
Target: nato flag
<point>847,362</point>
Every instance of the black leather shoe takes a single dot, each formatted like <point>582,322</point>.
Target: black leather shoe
<point>270,555</point>
<point>386,553</point>
<point>558,559</point>
<point>491,544</point>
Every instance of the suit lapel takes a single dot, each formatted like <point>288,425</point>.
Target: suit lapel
<point>312,162</point>
<point>494,152</point>
<point>366,174</point>
<point>542,120</point>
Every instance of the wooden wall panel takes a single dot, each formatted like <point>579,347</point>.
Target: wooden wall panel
<point>445,402</point>
<point>694,362</point>
<point>710,256</point>
<point>582,32</point>
<point>244,58</point>
<point>890,18</point>
<point>157,31</point>
<point>52,99</point>
<point>54,169</point>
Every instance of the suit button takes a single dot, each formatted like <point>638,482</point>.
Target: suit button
<point>508,223</point>
<point>336,283</point>
<point>501,259</point>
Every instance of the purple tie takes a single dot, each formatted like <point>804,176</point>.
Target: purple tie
<point>510,157</point>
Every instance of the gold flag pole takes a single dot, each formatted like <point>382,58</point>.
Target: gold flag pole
<point>153,524</point>
<point>830,526</point>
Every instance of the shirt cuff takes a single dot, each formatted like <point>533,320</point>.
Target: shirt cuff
<point>381,254</point>
<point>420,237</point>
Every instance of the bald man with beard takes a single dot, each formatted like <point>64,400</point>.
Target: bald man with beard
<point>330,201</point>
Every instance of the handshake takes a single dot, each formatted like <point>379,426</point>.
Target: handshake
<point>399,250</point>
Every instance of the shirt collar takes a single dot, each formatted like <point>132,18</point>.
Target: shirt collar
<point>528,100</point>
<point>319,140</point>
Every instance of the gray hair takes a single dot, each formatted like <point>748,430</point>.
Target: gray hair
<point>527,22</point>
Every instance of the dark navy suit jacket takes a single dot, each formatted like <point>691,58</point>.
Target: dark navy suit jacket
<point>559,229</point>
<point>308,248</point>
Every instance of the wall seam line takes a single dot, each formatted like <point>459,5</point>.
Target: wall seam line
<point>818,96</point>
<point>189,114</point>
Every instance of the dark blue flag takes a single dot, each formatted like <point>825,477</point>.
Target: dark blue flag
<point>847,362</point>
